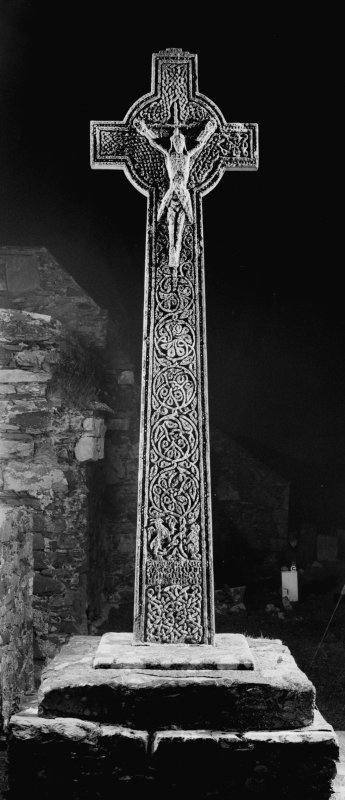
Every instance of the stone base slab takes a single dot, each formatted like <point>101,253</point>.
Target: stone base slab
<point>71,758</point>
<point>118,651</point>
<point>276,695</point>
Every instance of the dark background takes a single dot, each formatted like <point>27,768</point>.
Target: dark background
<point>273,239</point>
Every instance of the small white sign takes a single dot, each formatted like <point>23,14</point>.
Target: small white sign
<point>290,585</point>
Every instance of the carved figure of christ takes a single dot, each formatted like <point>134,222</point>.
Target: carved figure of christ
<point>177,199</point>
<point>174,567</point>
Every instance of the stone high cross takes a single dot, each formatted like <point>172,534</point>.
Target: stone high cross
<point>174,146</point>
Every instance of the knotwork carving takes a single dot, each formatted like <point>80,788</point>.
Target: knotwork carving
<point>174,524</point>
<point>174,614</point>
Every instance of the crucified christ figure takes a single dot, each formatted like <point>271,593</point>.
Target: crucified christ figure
<point>177,199</point>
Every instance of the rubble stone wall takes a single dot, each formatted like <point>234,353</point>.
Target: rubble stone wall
<point>31,279</point>
<point>46,449</point>
<point>16,578</point>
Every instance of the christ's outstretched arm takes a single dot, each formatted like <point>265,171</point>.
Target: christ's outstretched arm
<point>209,129</point>
<point>142,128</point>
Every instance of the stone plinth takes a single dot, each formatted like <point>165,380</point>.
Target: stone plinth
<point>118,651</point>
<point>177,734</point>
<point>275,695</point>
<point>70,758</point>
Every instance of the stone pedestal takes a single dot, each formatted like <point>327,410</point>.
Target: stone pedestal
<point>119,651</point>
<point>201,733</point>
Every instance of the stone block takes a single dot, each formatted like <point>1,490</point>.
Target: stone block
<point>275,695</point>
<point>103,760</point>
<point>59,756</point>
<point>38,541</point>
<point>260,762</point>
<point>16,446</point>
<point>13,376</point>
<point>45,585</point>
<point>89,448</point>
<point>26,326</point>
<point>33,421</point>
<point>230,651</point>
<point>30,358</point>
<point>95,426</point>
<point>7,388</point>
<point>13,520</point>
<point>37,479</point>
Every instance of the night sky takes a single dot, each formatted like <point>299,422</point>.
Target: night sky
<point>273,239</point>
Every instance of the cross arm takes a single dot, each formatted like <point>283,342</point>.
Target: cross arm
<point>117,145</point>
<point>110,145</point>
<point>233,146</point>
<point>238,145</point>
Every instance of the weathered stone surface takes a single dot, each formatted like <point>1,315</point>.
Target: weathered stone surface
<point>338,785</point>
<point>102,759</point>
<point>28,726</point>
<point>319,733</point>
<point>273,764</point>
<point>90,446</point>
<point>94,426</point>
<point>16,567</point>
<point>117,650</point>
<point>34,478</point>
<point>66,755</point>
<point>275,695</point>
<point>16,446</point>
<point>45,585</point>
<point>14,376</point>
<point>31,338</point>
<point>40,470</point>
<point>26,326</point>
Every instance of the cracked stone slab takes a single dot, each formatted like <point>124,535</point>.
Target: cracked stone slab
<point>274,695</point>
<point>118,651</point>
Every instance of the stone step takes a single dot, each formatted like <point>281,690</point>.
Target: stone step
<point>276,695</point>
<point>118,651</point>
<point>73,758</point>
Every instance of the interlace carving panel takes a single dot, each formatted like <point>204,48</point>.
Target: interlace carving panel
<point>174,462</point>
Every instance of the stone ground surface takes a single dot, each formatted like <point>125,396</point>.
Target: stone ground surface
<point>118,650</point>
<point>276,695</point>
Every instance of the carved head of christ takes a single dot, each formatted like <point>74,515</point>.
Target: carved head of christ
<point>178,141</point>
